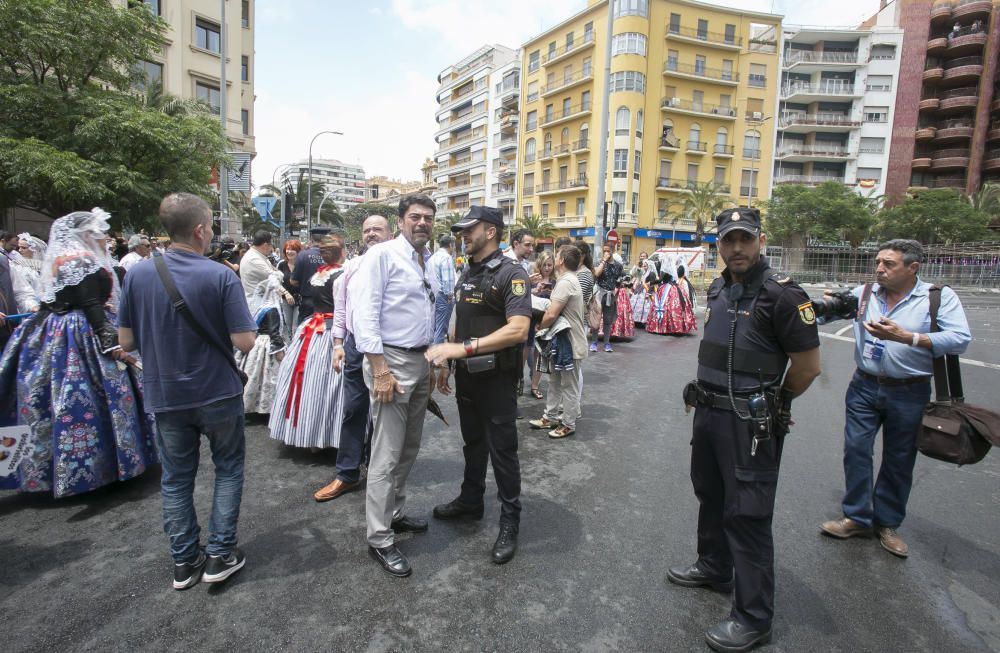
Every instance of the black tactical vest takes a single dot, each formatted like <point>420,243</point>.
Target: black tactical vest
<point>479,309</point>
<point>754,357</point>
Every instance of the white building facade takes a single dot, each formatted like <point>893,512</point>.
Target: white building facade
<point>343,183</point>
<point>837,92</point>
<point>477,138</point>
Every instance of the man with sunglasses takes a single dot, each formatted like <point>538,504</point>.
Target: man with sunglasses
<point>492,316</point>
<point>392,299</point>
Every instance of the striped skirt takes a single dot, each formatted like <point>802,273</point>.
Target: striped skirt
<point>309,396</point>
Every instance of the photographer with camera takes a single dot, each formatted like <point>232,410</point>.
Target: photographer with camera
<point>892,385</point>
<point>225,252</point>
<point>759,351</point>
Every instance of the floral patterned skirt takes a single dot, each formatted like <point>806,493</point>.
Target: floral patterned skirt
<point>624,326</point>
<point>671,312</point>
<point>88,427</point>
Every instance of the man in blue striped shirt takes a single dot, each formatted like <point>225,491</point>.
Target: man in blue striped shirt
<point>443,268</point>
<point>894,352</point>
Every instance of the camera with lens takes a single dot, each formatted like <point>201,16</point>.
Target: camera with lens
<point>841,304</point>
<point>221,251</point>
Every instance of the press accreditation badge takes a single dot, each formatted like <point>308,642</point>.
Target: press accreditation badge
<point>873,350</point>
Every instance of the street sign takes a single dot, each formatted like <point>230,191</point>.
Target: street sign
<point>239,173</point>
<point>612,237</point>
<point>264,204</point>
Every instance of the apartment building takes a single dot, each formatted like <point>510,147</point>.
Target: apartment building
<point>388,191</point>
<point>189,65</point>
<point>947,124</point>
<point>692,88</point>
<point>837,94</point>
<point>344,184</point>
<point>475,134</point>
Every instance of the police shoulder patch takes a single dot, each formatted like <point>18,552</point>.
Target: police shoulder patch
<point>807,313</point>
<point>708,314</point>
<point>518,287</point>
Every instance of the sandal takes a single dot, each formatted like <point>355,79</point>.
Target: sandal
<point>537,394</point>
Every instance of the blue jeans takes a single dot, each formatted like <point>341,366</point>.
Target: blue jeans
<point>357,407</point>
<point>443,304</point>
<point>178,437</point>
<point>898,411</point>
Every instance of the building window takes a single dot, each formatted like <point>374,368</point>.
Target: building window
<point>533,61</point>
<point>580,203</point>
<point>751,145</point>
<point>588,32</point>
<point>628,43</point>
<point>628,80</point>
<point>529,183</point>
<point>545,211</point>
<point>569,41</point>
<point>245,13</point>
<point>567,107</point>
<point>755,108</point>
<point>526,211</point>
<point>245,68</point>
<point>618,199</point>
<point>638,123</point>
<point>621,163</point>
<point>150,74</point>
<point>675,24</point>
<point>870,174</point>
<point>664,169</point>
<point>694,133</point>
<point>692,174</point>
<point>720,175</point>
<point>758,75</point>
<point>209,95</point>
<point>672,58</point>
<point>588,67</point>
<point>245,120</point>
<point>564,136</point>
<point>561,209</point>
<point>532,121</point>
<point>876,114</point>
<point>529,150</point>
<point>637,164</point>
<point>730,35</point>
<point>532,91</point>
<point>872,145</point>
<point>206,35</point>
<point>584,131</point>
<point>549,112</point>
<point>763,38</point>
<point>635,203</point>
<point>585,101</point>
<point>152,5</point>
<point>631,8</point>
<point>748,182</point>
<point>622,120</point>
<point>721,138</point>
<point>883,52</point>
<point>879,83</point>
<point>552,50</point>
<point>547,145</point>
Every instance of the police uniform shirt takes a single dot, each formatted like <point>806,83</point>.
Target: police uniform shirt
<point>510,284</point>
<point>792,324</point>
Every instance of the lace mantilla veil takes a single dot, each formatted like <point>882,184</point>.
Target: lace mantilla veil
<point>267,295</point>
<point>77,248</point>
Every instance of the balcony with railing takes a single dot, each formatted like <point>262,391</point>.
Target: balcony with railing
<point>994,133</point>
<point>458,164</point>
<point>815,152</point>
<point>669,183</point>
<point>950,131</point>
<point>581,145</point>
<point>801,58</point>
<point>925,133</point>
<point>696,147</point>
<point>806,180</point>
<point>751,153</point>
<point>714,39</point>
<point>950,159</point>
<point>556,117</point>
<point>921,161</point>
<point>826,121</point>
<point>502,190</point>
<point>568,81</point>
<point>933,71</point>
<point>562,185</point>
<point>568,221</point>
<point>504,142</point>
<point>971,9</point>
<point>450,122</point>
<point>941,11</point>
<point>576,46</point>
<point>837,88</point>
<point>457,99</point>
<point>950,181</point>
<point>962,70</point>
<point>967,40</point>
<point>928,103</point>
<point>672,68</point>
<point>670,143</point>
<point>678,105</point>
<point>561,150</point>
<point>722,150</point>
<point>470,136</point>
<point>958,99</point>
<point>991,159</point>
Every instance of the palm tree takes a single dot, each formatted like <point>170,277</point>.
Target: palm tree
<point>537,226</point>
<point>330,215</point>
<point>444,222</point>
<point>987,200</point>
<point>700,205</point>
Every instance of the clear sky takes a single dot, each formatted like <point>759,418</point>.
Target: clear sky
<point>369,69</point>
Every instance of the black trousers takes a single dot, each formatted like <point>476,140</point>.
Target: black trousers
<point>736,495</point>
<point>487,410</point>
<point>357,405</point>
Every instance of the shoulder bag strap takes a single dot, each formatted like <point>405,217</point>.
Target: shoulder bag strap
<point>866,296</point>
<point>182,308</point>
<point>941,372</point>
<point>951,361</point>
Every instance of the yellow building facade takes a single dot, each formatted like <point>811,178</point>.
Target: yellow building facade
<point>693,93</point>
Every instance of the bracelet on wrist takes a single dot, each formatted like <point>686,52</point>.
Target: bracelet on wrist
<point>916,340</point>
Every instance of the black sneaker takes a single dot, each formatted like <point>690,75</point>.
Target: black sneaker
<point>219,568</point>
<point>187,574</point>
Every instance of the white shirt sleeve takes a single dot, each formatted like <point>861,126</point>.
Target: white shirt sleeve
<point>365,295</point>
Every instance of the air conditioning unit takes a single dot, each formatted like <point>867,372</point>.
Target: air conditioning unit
<point>757,115</point>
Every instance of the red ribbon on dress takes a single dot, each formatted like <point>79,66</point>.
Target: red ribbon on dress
<point>316,324</point>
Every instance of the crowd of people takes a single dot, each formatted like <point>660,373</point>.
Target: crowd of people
<point>125,354</point>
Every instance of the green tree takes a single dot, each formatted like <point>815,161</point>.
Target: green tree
<point>830,212</point>
<point>987,200</point>
<point>940,215</point>
<point>537,225</point>
<point>74,133</point>
<point>700,206</point>
<point>328,212</point>
<point>444,222</point>
<point>355,216</point>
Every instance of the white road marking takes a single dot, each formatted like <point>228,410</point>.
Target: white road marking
<point>964,361</point>
<point>845,330</point>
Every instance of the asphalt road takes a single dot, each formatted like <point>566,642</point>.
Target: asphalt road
<point>605,512</point>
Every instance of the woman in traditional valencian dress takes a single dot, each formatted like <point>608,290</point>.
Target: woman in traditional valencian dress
<point>624,326</point>
<point>643,281</point>
<point>685,293</point>
<point>261,363</point>
<point>308,405</point>
<point>64,375</point>
<point>658,320</point>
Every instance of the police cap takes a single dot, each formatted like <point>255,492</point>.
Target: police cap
<point>476,214</point>
<point>747,219</point>
<point>320,231</point>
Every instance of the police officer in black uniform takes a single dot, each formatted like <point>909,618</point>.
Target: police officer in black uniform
<point>492,315</point>
<point>756,321</point>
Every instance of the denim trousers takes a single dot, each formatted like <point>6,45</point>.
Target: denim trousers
<point>897,410</point>
<point>178,438</point>
<point>357,411</point>
<point>442,316</point>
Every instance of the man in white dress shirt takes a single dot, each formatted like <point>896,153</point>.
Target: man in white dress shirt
<point>138,249</point>
<point>392,302</point>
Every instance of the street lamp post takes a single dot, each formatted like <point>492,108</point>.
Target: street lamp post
<point>281,195</point>
<point>309,197</point>
<point>320,209</point>
<point>758,123</point>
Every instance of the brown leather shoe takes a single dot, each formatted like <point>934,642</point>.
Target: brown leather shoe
<point>844,528</point>
<point>335,489</point>
<point>892,542</point>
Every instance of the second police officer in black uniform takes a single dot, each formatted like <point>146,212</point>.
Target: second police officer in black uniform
<point>756,321</point>
<point>492,315</point>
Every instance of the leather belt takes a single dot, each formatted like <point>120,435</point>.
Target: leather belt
<point>721,401</point>
<point>413,350</point>
<point>888,380</point>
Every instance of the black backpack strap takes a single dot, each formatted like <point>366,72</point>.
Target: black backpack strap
<point>182,308</point>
